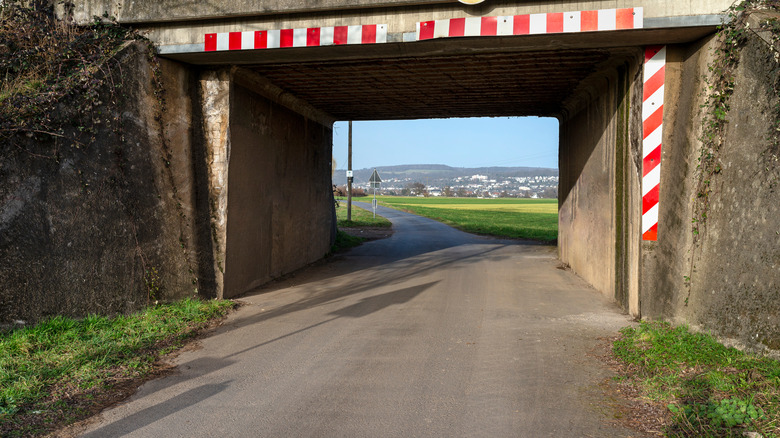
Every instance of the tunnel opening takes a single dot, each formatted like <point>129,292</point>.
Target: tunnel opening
<point>588,91</point>
<point>448,145</point>
<point>505,141</point>
<point>509,164</point>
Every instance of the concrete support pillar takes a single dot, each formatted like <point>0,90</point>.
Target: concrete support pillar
<point>215,100</point>
<point>600,195</point>
<point>268,159</point>
<point>716,263</point>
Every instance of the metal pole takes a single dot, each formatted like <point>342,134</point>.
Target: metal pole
<point>349,180</point>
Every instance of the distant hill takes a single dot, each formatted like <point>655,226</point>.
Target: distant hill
<point>435,173</point>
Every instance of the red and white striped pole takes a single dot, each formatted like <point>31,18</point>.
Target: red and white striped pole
<point>652,124</point>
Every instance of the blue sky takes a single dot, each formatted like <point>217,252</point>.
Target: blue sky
<point>477,142</point>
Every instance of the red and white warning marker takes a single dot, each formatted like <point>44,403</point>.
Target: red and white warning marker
<point>533,24</point>
<point>652,127</point>
<point>528,24</point>
<point>305,37</point>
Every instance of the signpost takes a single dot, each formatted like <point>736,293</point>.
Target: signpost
<point>374,184</point>
<point>349,175</point>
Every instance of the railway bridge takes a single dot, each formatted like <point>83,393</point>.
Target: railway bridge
<point>262,83</point>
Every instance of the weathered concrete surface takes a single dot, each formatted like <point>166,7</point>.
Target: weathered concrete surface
<point>430,333</point>
<point>400,14</point>
<point>186,36</point>
<point>599,181</point>
<point>85,229</point>
<point>279,202</point>
<point>667,262</point>
<point>726,278</point>
<point>215,94</point>
<point>142,211</point>
<point>496,84</point>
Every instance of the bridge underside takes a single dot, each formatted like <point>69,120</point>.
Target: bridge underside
<point>277,107</point>
<point>278,119</point>
<point>455,77</point>
<point>478,85</point>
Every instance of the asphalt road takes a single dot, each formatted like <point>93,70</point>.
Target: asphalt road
<point>430,333</point>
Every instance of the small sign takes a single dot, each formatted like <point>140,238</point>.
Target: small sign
<point>349,174</point>
<point>374,180</point>
<point>374,183</point>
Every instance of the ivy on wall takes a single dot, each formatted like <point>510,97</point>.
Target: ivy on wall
<point>45,61</point>
<point>733,36</point>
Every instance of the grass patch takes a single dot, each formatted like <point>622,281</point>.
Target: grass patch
<point>534,219</point>
<point>50,372</point>
<point>710,390</point>
<point>360,217</point>
<point>345,241</point>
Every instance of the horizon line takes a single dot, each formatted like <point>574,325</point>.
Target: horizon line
<point>453,167</point>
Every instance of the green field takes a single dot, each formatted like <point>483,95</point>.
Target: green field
<point>534,219</point>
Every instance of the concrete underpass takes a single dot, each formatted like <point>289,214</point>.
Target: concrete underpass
<point>252,92</point>
<point>589,81</point>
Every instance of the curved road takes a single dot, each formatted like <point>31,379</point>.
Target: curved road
<point>429,333</point>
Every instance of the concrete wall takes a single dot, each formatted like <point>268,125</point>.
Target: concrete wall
<point>175,22</point>
<point>89,219</point>
<point>599,181</point>
<point>280,202</point>
<point>140,11</point>
<point>667,262</point>
<point>267,163</point>
<point>726,278</point>
<point>193,183</point>
<point>214,96</point>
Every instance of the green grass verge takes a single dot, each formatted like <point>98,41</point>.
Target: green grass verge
<point>534,219</point>
<point>345,241</point>
<point>360,217</point>
<point>710,390</point>
<point>49,372</point>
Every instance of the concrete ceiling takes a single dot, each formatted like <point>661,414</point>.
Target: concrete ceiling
<point>449,77</point>
<point>476,85</point>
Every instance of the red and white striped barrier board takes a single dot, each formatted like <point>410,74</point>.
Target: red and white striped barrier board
<point>532,24</point>
<point>306,37</point>
<point>652,124</point>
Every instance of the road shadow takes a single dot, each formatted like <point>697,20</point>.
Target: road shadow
<point>417,247</point>
<point>328,286</point>
<point>387,272</point>
<point>365,307</point>
<point>159,411</point>
<point>375,303</point>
